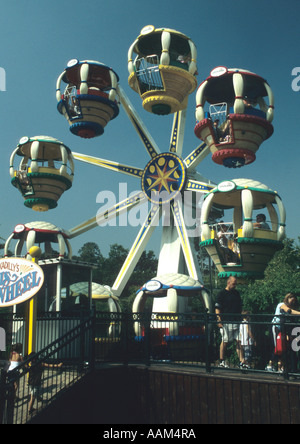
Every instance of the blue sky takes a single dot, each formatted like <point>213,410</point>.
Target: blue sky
<point>38,38</point>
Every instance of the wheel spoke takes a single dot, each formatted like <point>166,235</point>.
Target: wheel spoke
<point>176,143</point>
<point>196,156</point>
<point>200,187</point>
<point>109,214</point>
<point>110,165</point>
<point>149,143</point>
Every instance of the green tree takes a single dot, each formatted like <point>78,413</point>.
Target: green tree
<point>107,268</point>
<point>90,253</point>
<point>113,263</point>
<point>145,270</point>
<point>281,277</point>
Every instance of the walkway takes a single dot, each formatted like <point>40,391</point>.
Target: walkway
<point>54,382</point>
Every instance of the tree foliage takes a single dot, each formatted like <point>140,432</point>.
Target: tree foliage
<point>281,277</point>
<point>107,268</point>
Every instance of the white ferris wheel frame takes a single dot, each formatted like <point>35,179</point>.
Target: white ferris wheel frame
<point>177,253</point>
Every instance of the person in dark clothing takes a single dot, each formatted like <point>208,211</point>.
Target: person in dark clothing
<point>35,378</point>
<point>229,304</point>
<point>217,131</point>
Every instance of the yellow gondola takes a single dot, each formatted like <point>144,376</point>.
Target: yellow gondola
<point>238,119</point>
<point>45,172</point>
<point>89,99</point>
<point>163,72</point>
<point>249,246</point>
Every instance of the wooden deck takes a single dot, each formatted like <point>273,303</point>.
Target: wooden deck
<point>166,394</point>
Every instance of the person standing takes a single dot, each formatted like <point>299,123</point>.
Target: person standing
<point>15,361</point>
<point>228,309</point>
<point>247,341</point>
<point>282,323</point>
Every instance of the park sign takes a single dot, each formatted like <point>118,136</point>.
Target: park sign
<point>20,280</point>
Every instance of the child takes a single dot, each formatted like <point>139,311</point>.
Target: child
<point>35,378</point>
<point>247,342</point>
<point>15,360</point>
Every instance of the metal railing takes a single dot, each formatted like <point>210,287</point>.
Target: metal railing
<point>148,74</point>
<point>191,339</point>
<point>44,375</point>
<point>195,340</point>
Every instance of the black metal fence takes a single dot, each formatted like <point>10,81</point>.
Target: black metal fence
<point>196,340</point>
<point>49,327</point>
<point>44,375</point>
<point>69,347</point>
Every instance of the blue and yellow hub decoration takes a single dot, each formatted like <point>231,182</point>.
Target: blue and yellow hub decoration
<point>163,178</point>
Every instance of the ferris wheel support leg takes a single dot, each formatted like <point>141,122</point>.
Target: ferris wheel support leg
<point>170,261</point>
<point>148,141</point>
<point>184,239</point>
<point>170,257</point>
<point>189,252</point>
<point>173,260</point>
<point>136,251</point>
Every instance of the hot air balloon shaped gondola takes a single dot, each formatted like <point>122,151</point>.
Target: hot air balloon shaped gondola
<point>172,335</point>
<point>245,249</point>
<point>102,297</point>
<point>89,99</point>
<point>238,119</point>
<point>163,72</point>
<point>45,172</point>
<point>39,233</point>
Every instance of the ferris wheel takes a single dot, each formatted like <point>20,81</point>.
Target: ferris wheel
<point>238,120</point>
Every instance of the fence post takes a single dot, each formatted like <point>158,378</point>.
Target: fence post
<point>147,322</point>
<point>10,401</point>
<point>285,353</point>
<point>207,341</point>
<point>92,349</point>
<point>82,339</point>
<point>124,336</point>
<point>2,394</point>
